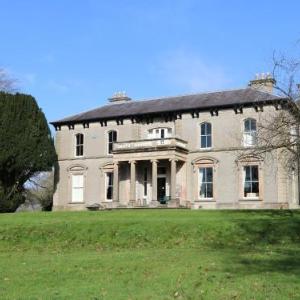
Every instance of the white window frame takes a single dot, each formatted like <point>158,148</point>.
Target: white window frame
<point>206,135</point>
<point>77,145</point>
<point>157,133</point>
<point>107,185</point>
<point>77,187</point>
<point>200,182</point>
<point>108,142</point>
<point>249,136</point>
<point>251,181</point>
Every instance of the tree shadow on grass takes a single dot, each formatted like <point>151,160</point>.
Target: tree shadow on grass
<point>279,261</point>
<point>269,244</point>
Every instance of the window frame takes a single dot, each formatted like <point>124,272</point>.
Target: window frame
<point>79,145</point>
<point>205,167</point>
<point>249,134</point>
<point>251,181</point>
<point>206,135</point>
<point>82,188</point>
<point>111,142</point>
<point>162,132</point>
<point>251,161</point>
<point>107,185</point>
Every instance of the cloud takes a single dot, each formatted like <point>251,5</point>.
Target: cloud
<point>186,70</point>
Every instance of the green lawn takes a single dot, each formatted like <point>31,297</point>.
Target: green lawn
<point>150,254</point>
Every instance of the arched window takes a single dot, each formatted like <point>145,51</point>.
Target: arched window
<point>112,137</point>
<point>205,135</point>
<point>79,140</point>
<point>250,132</point>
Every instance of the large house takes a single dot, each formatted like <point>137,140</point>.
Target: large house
<point>181,151</point>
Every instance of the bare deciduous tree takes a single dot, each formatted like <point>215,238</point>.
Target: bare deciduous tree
<point>278,131</point>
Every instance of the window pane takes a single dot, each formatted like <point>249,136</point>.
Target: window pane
<point>203,142</point>
<point>247,188</point>
<point>203,190</point>
<point>109,185</point>
<point>109,193</point>
<point>253,125</point>
<point>208,128</point>
<point>254,173</point>
<point>209,190</point>
<point>208,141</point>
<point>255,187</point>
<point>203,129</point>
<point>247,173</point>
<point>202,174</point>
<point>209,174</point>
<point>110,147</point>
<point>110,178</point>
<point>114,136</point>
<point>247,125</point>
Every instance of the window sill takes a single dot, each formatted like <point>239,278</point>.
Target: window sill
<point>205,200</point>
<point>206,149</point>
<point>77,202</point>
<point>250,199</point>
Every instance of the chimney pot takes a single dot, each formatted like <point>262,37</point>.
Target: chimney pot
<point>119,97</point>
<point>263,82</point>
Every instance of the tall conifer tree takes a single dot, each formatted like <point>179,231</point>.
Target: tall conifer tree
<point>26,146</point>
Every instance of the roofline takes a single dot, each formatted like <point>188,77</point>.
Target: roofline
<point>227,106</point>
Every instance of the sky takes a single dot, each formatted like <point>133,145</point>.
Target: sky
<point>73,55</point>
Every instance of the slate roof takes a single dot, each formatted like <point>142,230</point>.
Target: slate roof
<point>204,101</point>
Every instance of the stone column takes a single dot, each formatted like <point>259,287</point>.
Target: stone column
<point>116,182</point>
<point>154,181</point>
<point>132,181</point>
<point>173,179</point>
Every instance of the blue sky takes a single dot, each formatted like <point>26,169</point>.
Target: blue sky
<point>72,55</point>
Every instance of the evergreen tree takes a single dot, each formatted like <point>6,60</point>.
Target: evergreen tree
<point>26,146</point>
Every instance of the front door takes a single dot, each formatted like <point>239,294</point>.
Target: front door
<point>161,189</point>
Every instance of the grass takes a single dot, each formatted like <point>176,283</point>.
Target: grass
<point>150,254</point>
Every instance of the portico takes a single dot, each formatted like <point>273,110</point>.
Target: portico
<point>149,172</point>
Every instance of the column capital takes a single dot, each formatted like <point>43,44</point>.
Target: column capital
<point>132,161</point>
<point>116,163</point>
<point>154,160</point>
<point>173,159</point>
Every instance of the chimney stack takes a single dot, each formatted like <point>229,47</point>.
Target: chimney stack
<point>119,97</point>
<point>263,82</point>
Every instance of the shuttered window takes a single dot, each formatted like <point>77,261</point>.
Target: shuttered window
<point>77,188</point>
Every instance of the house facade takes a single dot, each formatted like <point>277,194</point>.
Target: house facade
<point>182,151</point>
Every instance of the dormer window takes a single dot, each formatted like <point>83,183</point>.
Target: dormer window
<point>159,133</point>
<point>250,132</point>
<point>112,137</point>
<point>79,140</point>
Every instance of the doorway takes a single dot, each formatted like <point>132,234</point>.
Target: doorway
<point>161,189</point>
